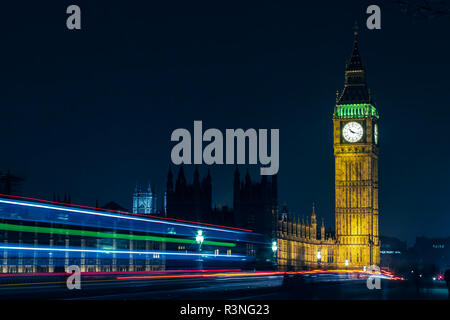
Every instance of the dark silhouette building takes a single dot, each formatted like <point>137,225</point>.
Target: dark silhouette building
<point>189,201</point>
<point>431,255</point>
<point>114,206</point>
<point>256,203</point>
<point>10,184</point>
<point>393,254</point>
<point>57,198</point>
<point>223,215</point>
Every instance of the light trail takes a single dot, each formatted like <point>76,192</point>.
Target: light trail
<point>107,273</point>
<point>123,212</point>
<point>95,234</point>
<point>194,273</point>
<point>118,216</point>
<point>152,252</point>
<point>382,273</point>
<point>266,273</point>
<point>240,274</point>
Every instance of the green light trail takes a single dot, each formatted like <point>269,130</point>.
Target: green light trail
<point>95,234</point>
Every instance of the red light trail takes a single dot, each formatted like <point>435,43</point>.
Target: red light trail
<point>40,274</point>
<point>265,273</point>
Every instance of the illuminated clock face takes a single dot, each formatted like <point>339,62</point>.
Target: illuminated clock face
<point>375,133</point>
<point>352,132</point>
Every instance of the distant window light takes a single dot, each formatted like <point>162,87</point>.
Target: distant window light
<point>390,252</point>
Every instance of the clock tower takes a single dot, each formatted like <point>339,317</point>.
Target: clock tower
<point>355,137</point>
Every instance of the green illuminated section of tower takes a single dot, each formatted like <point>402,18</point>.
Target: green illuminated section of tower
<point>357,110</point>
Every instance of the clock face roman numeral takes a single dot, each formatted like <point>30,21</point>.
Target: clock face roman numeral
<point>352,132</point>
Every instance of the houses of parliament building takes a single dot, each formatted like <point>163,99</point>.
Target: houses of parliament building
<point>298,243</point>
<point>355,243</point>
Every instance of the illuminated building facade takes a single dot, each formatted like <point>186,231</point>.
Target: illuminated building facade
<point>302,244</point>
<point>144,201</point>
<point>295,244</point>
<point>355,138</point>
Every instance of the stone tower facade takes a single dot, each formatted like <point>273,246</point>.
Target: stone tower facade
<point>355,138</point>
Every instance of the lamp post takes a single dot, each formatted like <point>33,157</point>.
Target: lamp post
<point>346,266</point>
<point>274,250</point>
<point>319,257</point>
<point>274,246</point>
<point>199,239</point>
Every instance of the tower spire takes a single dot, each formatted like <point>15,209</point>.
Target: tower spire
<point>355,63</point>
<point>355,87</point>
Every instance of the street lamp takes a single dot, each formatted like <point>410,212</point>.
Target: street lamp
<point>274,255</point>
<point>346,266</point>
<point>199,238</point>
<point>319,257</point>
<point>274,246</point>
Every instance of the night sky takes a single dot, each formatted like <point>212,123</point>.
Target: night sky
<point>91,112</point>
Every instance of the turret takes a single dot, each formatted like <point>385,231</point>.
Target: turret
<point>322,231</point>
<point>303,228</point>
<point>313,233</point>
<point>308,228</point>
